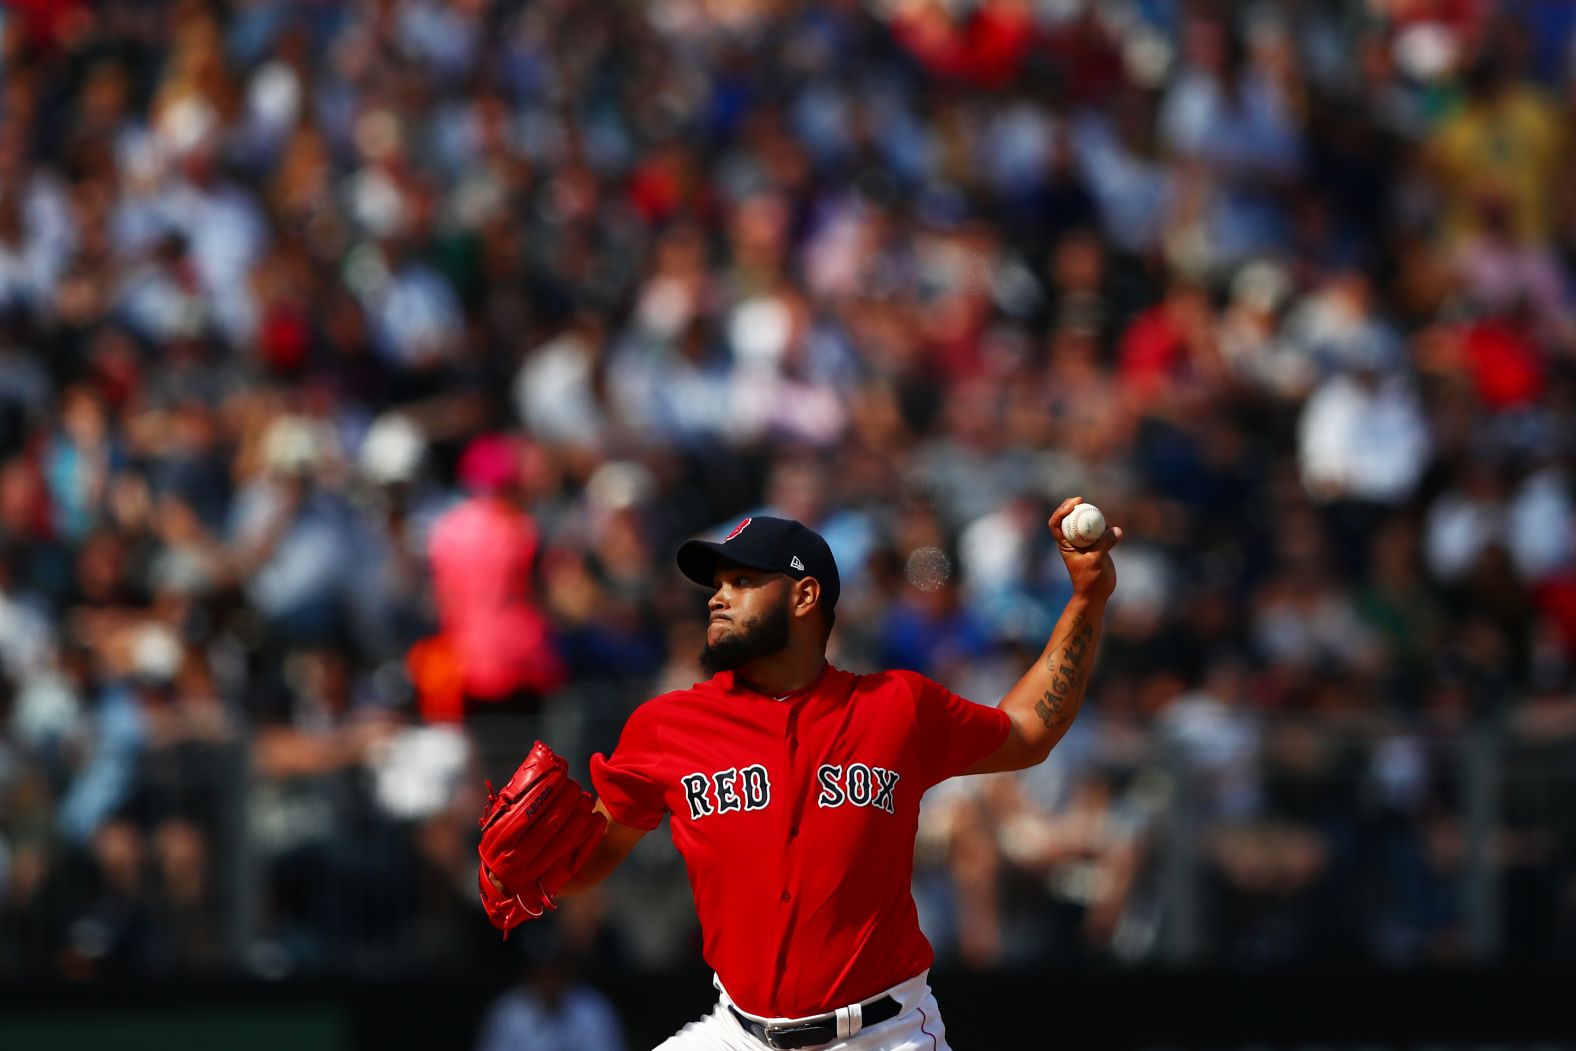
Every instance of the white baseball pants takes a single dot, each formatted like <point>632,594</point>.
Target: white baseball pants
<point>917,1026</point>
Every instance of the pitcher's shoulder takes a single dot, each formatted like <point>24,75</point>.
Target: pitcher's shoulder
<point>699,693</point>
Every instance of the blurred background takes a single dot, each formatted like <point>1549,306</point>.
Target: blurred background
<point>362,363</point>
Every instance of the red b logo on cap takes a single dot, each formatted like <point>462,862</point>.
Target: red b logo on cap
<point>737,530</point>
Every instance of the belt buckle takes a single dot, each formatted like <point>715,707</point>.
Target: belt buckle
<point>773,1033</point>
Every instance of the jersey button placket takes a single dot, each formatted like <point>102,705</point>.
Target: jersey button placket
<point>793,748</point>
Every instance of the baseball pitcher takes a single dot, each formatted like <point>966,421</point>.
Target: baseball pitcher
<point>794,788</point>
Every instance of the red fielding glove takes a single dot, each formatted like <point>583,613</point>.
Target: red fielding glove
<point>536,833</point>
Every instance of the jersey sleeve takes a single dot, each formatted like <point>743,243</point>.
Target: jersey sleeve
<point>954,733</point>
<point>628,782</point>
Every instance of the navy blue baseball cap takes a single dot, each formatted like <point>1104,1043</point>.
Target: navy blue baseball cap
<point>780,545</point>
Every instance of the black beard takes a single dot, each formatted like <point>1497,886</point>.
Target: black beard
<point>762,637</point>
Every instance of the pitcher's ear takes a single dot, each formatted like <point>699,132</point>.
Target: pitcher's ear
<point>807,595</point>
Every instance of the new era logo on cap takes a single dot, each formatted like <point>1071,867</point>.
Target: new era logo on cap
<point>797,564</point>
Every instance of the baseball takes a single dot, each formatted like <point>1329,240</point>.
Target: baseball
<point>1083,525</point>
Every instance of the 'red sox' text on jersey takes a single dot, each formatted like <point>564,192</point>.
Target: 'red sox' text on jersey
<point>796,818</point>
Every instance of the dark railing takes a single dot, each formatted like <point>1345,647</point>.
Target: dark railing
<point>1270,842</point>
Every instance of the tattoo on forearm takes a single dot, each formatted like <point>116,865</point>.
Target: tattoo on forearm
<point>1068,668</point>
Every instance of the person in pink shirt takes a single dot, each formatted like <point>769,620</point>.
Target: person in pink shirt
<point>483,553</point>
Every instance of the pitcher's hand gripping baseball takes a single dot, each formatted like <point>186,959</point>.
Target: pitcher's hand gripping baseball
<point>535,833</point>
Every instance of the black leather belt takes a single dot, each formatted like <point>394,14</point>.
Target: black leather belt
<point>813,1032</point>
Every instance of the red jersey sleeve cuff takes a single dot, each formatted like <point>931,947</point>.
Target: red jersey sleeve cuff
<point>1003,728</point>
<point>630,798</point>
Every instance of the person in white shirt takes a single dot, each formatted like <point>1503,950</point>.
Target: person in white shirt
<point>1362,436</point>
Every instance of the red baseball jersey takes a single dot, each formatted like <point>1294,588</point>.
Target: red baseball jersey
<point>796,819</point>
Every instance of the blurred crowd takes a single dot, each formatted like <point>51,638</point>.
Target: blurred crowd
<point>362,363</point>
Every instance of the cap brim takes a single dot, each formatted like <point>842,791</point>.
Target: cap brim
<point>698,560</point>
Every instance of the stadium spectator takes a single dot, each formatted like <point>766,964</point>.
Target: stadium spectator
<point>551,1009</point>
<point>483,555</point>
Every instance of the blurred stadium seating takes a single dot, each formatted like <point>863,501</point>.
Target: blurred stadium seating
<point>362,363</point>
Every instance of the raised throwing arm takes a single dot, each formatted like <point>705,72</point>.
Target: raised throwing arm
<point>1045,701</point>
